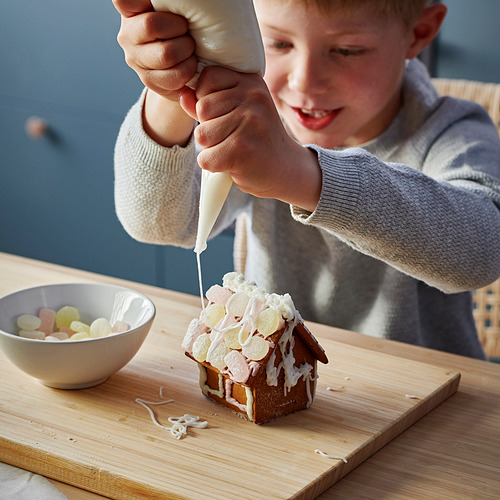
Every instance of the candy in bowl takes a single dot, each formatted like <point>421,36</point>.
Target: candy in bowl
<point>117,319</point>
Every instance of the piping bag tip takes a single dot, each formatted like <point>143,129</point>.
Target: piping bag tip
<point>200,246</point>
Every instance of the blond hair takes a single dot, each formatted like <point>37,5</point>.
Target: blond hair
<point>407,10</point>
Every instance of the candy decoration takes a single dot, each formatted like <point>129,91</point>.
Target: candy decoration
<point>120,327</point>
<point>59,336</point>
<point>256,348</point>
<point>213,314</point>
<point>66,315</point>
<point>78,326</point>
<point>32,334</point>
<point>201,346</point>
<point>231,337</point>
<point>216,355</point>
<point>218,295</point>
<point>268,321</point>
<point>47,319</point>
<point>238,366</point>
<point>68,324</point>
<point>28,322</point>
<point>237,304</point>
<point>195,329</point>
<point>100,327</point>
<point>80,336</point>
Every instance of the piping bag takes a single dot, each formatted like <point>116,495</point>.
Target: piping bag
<point>226,34</point>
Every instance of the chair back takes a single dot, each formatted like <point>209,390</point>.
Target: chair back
<point>486,300</point>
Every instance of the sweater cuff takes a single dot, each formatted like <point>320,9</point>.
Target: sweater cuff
<point>149,152</point>
<point>342,185</point>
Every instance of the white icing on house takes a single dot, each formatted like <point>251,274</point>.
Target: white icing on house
<point>230,399</point>
<point>205,389</point>
<point>287,363</point>
<point>282,303</point>
<point>249,394</point>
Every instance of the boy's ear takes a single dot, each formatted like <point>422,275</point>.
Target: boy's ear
<point>425,28</point>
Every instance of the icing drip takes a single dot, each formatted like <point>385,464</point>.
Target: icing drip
<point>287,363</point>
<point>249,395</point>
<point>254,367</point>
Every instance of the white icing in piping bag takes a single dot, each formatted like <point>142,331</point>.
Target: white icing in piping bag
<point>227,34</point>
<point>215,187</point>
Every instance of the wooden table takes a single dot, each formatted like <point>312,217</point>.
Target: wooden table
<point>453,452</point>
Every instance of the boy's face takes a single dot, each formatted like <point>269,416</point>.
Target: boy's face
<point>335,78</point>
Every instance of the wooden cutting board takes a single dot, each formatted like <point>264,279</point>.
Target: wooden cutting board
<point>101,440</point>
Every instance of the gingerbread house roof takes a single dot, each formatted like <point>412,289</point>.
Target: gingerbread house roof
<point>310,341</point>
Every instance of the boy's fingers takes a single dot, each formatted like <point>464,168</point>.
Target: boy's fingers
<point>130,8</point>
<point>214,78</point>
<point>187,100</point>
<point>154,26</point>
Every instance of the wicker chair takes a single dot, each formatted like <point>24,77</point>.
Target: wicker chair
<point>486,300</point>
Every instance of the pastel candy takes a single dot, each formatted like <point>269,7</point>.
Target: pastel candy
<point>216,355</point>
<point>66,315</point>
<point>255,308</point>
<point>269,321</point>
<point>52,338</point>
<point>80,336</point>
<point>47,319</point>
<point>218,294</point>
<point>100,327</point>
<point>78,326</point>
<point>256,348</point>
<point>213,314</point>
<point>120,327</point>
<point>237,304</point>
<point>237,365</point>
<point>32,334</point>
<point>195,329</point>
<point>232,337</point>
<point>201,346</point>
<point>28,322</point>
<point>58,336</point>
<point>68,331</point>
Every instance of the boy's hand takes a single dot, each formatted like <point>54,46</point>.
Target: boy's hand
<point>157,46</point>
<point>241,132</point>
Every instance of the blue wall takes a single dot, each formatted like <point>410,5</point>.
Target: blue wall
<point>469,41</point>
<point>60,61</point>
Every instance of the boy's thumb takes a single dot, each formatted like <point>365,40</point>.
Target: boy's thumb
<point>187,100</point>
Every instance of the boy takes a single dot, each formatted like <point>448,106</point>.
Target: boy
<point>368,198</point>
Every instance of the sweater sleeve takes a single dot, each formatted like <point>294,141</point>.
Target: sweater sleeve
<point>437,220</point>
<point>156,188</point>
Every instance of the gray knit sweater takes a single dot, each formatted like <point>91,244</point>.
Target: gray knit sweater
<point>406,226</point>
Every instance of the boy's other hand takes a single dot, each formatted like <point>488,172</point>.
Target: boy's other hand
<point>241,132</point>
<point>157,46</point>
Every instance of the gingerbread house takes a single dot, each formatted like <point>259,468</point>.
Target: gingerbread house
<point>254,353</point>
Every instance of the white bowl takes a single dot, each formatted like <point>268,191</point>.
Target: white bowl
<point>76,364</point>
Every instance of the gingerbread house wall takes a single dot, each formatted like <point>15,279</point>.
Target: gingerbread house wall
<point>269,402</point>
